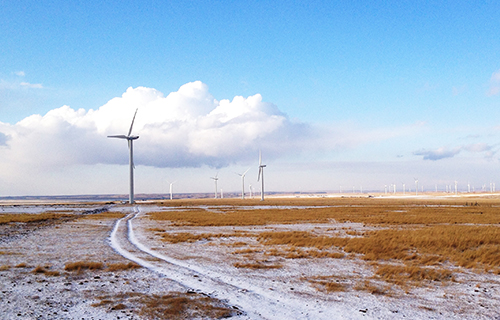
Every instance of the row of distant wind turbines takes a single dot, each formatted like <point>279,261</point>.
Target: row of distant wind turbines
<point>130,139</point>
<point>242,175</point>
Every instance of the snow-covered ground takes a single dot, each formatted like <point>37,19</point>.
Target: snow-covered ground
<point>208,268</point>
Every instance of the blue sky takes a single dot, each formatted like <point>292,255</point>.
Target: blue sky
<point>365,93</point>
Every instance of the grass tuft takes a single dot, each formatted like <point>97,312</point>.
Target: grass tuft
<point>257,265</point>
<point>122,266</point>
<point>83,265</point>
<point>28,217</point>
<point>43,270</point>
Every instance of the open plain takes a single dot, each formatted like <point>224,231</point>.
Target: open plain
<point>423,257</point>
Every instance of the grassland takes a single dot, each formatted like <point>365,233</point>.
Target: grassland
<point>407,242</point>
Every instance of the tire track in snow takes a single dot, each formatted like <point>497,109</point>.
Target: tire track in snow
<point>254,301</point>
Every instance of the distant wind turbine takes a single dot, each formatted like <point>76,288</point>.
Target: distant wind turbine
<point>242,175</point>
<point>215,180</point>
<point>416,186</point>
<point>171,183</point>
<point>261,176</point>
<point>130,138</point>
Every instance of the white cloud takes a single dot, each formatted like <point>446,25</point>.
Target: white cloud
<point>31,85</point>
<point>438,154</point>
<point>443,152</point>
<point>187,128</point>
<point>20,73</point>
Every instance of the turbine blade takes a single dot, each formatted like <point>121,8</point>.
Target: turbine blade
<point>260,157</point>
<point>132,124</point>
<point>244,173</point>
<point>260,172</point>
<point>120,136</point>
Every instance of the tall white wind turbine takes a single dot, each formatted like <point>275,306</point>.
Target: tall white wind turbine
<point>242,175</point>
<point>215,180</point>
<point>130,138</point>
<point>261,176</point>
<point>416,186</point>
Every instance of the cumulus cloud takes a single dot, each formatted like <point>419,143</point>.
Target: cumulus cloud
<point>20,73</point>
<point>187,128</point>
<point>494,84</point>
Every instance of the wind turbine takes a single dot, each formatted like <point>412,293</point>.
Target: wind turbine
<point>130,138</point>
<point>242,175</point>
<point>416,186</point>
<point>215,180</point>
<point>261,176</point>
<point>171,183</point>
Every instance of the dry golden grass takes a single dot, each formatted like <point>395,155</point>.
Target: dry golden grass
<point>104,215</point>
<point>465,245</point>
<point>368,211</point>
<point>300,239</point>
<point>83,265</point>
<point>122,266</point>
<point>43,270</point>
<point>372,288</point>
<point>257,265</point>
<point>410,240</point>
<point>248,251</point>
<point>335,284</point>
<point>400,275</point>
<point>8,253</point>
<point>26,217</point>
<point>297,253</point>
<point>175,305</point>
<point>328,284</point>
<point>191,237</point>
<point>227,217</point>
<point>4,268</point>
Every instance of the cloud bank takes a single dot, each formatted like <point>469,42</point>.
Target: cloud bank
<point>187,128</point>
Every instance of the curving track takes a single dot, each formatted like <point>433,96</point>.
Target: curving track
<point>253,301</point>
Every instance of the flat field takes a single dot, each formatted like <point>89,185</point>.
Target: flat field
<point>284,258</point>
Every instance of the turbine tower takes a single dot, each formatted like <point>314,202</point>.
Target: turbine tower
<point>261,176</point>
<point>416,186</point>
<point>171,183</point>
<point>215,180</point>
<point>242,175</point>
<point>130,138</point>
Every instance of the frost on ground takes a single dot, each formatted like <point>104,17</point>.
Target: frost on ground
<point>88,268</point>
<point>36,283</point>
